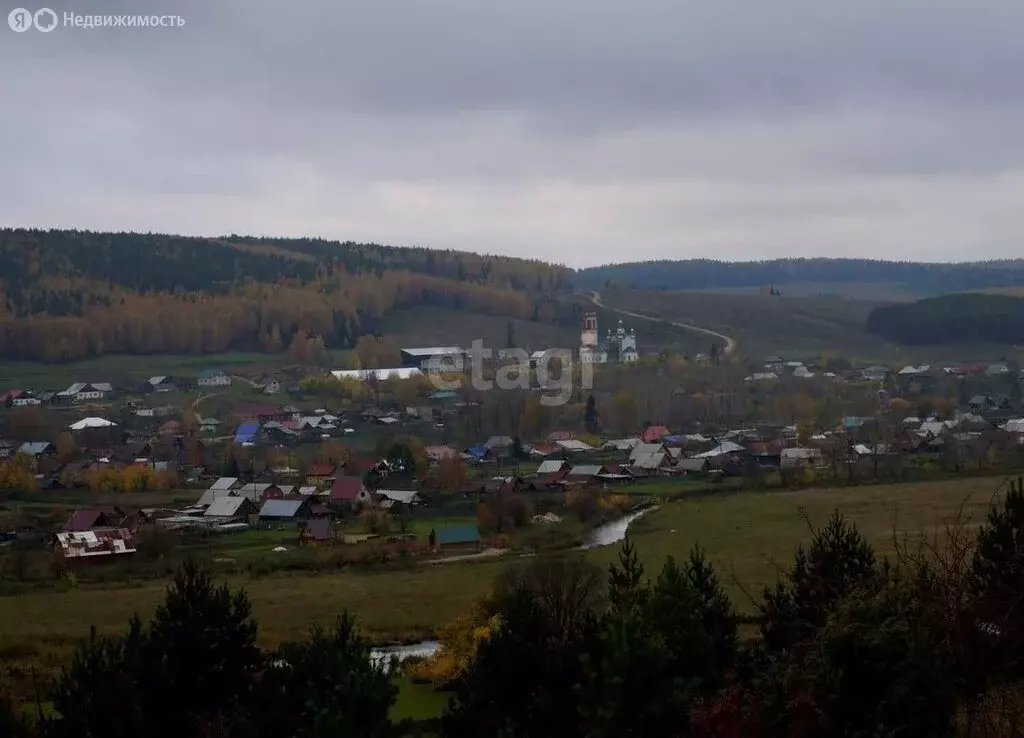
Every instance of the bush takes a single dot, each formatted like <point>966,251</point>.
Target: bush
<point>376,521</point>
<point>583,503</point>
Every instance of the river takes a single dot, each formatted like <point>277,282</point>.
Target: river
<point>422,649</point>
<point>613,532</point>
<point>603,535</point>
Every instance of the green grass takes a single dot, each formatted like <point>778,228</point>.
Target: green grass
<point>763,324</point>
<point>795,326</point>
<point>417,701</point>
<point>750,535</point>
<point>121,367</point>
<point>873,291</point>
<point>443,327</point>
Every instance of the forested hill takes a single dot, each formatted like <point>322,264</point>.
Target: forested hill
<point>952,319</point>
<point>917,278</point>
<point>67,295</point>
<point>162,263</point>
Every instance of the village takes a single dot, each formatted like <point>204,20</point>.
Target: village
<point>361,459</point>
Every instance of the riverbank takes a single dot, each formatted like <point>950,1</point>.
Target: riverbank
<point>747,535</point>
<point>611,533</point>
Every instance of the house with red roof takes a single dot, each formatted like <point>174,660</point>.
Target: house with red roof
<point>655,433</point>
<point>320,475</point>
<point>358,466</point>
<point>350,492</point>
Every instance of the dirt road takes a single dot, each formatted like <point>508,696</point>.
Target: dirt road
<point>487,553</point>
<point>198,400</point>
<point>730,343</point>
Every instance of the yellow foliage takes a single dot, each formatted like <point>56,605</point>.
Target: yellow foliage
<point>332,452</point>
<point>616,503</point>
<point>459,642</point>
<point>129,479</point>
<point>17,474</point>
<point>65,446</point>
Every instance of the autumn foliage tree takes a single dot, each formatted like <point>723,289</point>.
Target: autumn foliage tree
<point>134,478</point>
<point>66,447</point>
<point>377,352</point>
<point>16,474</point>
<point>452,474</point>
<point>144,294</point>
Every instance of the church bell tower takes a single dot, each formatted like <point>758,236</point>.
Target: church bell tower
<point>588,336</point>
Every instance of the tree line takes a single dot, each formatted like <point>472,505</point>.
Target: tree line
<point>68,295</point>
<point>964,318</point>
<point>703,274</point>
<point>926,642</point>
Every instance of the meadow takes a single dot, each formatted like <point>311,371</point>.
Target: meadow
<point>445,327</point>
<point>750,536</point>
<point>793,326</point>
<point>114,367</point>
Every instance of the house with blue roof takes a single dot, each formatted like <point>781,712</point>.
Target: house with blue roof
<point>454,537</point>
<point>247,433</point>
<point>852,422</point>
<point>35,449</point>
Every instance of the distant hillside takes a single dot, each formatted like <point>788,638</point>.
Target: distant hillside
<point>764,324</point>
<point>67,295</point>
<point>952,319</point>
<point>916,279</point>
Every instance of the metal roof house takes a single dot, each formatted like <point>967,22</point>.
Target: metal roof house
<point>405,496</point>
<point>363,375</point>
<point>446,358</point>
<point>213,378</point>
<point>93,544</point>
<point>84,391</point>
<point>284,510</point>
<point>455,536</point>
<point>257,491</point>
<point>36,448</point>
<point>247,433</point>
<point>230,507</point>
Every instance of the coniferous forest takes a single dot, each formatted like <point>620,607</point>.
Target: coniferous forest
<point>952,319</point>
<point>704,274</point>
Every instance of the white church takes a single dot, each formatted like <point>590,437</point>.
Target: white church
<point>618,346</point>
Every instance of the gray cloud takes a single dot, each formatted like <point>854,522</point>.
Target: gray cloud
<point>583,132</point>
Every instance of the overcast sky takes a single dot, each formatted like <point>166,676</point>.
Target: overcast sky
<point>578,131</point>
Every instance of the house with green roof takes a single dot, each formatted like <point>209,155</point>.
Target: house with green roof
<point>454,538</point>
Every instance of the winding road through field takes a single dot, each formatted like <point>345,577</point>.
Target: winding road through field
<point>195,403</point>
<point>730,343</point>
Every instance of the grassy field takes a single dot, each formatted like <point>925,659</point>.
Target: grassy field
<point>872,291</point>
<point>795,327</point>
<point>748,535</point>
<point>417,701</point>
<point>443,327</point>
<point>117,367</point>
